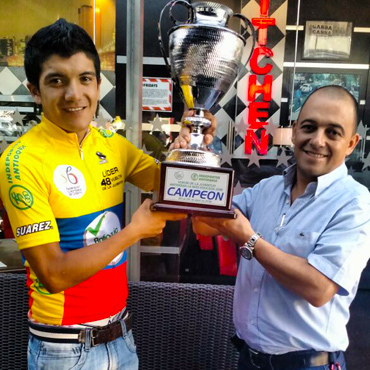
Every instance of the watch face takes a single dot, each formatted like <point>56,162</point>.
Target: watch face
<point>246,253</point>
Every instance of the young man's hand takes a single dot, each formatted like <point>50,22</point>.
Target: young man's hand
<point>147,223</point>
<point>183,140</point>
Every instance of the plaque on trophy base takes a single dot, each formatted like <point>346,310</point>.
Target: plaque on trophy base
<point>203,191</point>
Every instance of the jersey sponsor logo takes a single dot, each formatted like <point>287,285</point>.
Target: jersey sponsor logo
<point>111,178</point>
<point>12,158</point>
<point>105,133</point>
<point>40,287</point>
<point>102,157</point>
<point>20,197</point>
<point>69,181</point>
<point>102,228</point>
<point>34,228</point>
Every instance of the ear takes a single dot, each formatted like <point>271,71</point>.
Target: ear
<point>294,131</point>
<point>352,144</point>
<point>34,92</point>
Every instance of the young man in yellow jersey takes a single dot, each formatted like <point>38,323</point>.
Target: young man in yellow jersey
<point>62,184</point>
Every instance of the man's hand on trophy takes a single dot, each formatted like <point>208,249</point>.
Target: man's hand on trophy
<point>183,140</point>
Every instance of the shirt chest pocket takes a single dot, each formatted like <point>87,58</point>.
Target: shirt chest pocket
<point>299,242</point>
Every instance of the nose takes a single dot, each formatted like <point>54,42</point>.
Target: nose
<point>73,91</point>
<point>318,139</point>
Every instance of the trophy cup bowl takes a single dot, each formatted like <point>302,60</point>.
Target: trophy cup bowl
<point>205,59</point>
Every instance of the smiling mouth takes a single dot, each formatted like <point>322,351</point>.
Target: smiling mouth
<point>315,155</point>
<point>74,109</point>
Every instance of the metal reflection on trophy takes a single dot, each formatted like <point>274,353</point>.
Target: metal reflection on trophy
<point>205,59</point>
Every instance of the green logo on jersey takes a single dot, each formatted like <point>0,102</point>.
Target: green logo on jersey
<point>96,229</point>
<point>20,197</point>
<point>40,288</point>
<point>105,133</point>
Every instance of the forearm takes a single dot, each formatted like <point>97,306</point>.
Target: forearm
<point>295,274</point>
<point>60,270</point>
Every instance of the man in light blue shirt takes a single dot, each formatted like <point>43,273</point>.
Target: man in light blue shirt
<point>305,237</point>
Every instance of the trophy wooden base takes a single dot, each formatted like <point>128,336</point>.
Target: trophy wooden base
<point>207,212</point>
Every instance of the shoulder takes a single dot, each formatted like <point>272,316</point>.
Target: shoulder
<point>265,186</point>
<point>30,145</point>
<point>350,189</point>
<point>112,139</point>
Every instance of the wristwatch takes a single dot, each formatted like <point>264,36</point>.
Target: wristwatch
<point>247,250</point>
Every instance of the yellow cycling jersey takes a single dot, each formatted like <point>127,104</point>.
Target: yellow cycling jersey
<point>56,190</point>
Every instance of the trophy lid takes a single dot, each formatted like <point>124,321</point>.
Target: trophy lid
<point>210,13</point>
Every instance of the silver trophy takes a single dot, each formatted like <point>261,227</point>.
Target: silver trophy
<point>205,60</point>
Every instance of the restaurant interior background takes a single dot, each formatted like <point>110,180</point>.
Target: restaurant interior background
<point>313,43</point>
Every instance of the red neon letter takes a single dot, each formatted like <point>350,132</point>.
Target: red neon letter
<point>254,60</point>
<point>261,145</point>
<point>254,113</point>
<point>264,7</point>
<point>262,24</point>
<point>265,89</point>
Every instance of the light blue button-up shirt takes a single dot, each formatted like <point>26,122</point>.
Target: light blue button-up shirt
<point>329,225</point>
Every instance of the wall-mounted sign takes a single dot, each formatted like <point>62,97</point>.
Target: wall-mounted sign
<point>157,94</point>
<point>327,40</point>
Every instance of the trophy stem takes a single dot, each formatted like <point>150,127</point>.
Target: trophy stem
<point>197,123</point>
<point>196,140</point>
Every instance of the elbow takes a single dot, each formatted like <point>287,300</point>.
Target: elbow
<point>320,297</point>
<point>321,292</point>
<point>51,287</point>
<point>318,301</point>
<point>52,284</point>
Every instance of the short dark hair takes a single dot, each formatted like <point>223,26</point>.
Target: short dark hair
<point>337,92</point>
<point>61,38</point>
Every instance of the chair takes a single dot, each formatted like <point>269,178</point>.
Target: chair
<point>176,326</point>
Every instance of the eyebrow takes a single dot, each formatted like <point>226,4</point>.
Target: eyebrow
<point>60,74</point>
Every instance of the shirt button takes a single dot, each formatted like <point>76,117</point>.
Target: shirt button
<point>253,322</point>
<point>255,290</point>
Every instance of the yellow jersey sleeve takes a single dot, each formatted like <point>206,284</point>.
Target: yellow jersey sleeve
<point>25,195</point>
<point>141,169</point>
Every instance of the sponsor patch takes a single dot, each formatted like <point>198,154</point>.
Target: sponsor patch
<point>20,197</point>
<point>102,157</point>
<point>40,288</point>
<point>12,162</point>
<point>70,181</point>
<point>101,228</point>
<point>34,228</point>
<point>111,178</point>
<point>105,133</point>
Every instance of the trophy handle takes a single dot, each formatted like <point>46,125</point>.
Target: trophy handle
<point>249,24</point>
<point>176,22</point>
<point>190,12</point>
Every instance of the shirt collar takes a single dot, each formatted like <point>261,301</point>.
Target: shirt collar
<point>323,181</point>
<point>55,132</point>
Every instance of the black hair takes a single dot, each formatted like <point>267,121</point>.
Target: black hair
<point>338,92</point>
<point>61,38</point>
